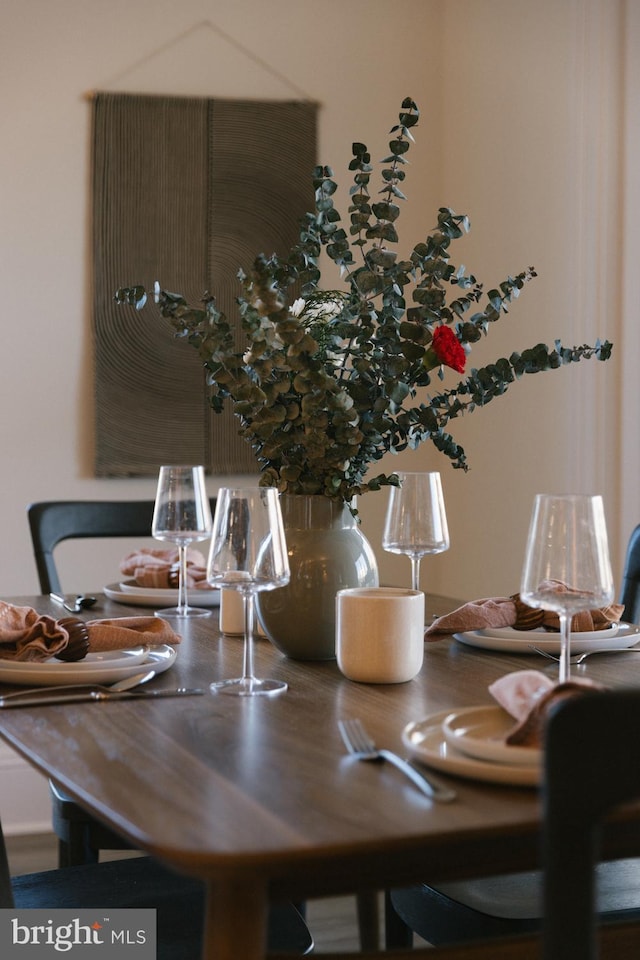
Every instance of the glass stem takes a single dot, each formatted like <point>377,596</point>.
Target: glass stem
<point>415,573</point>
<point>247,658</point>
<point>182,577</point>
<point>565,636</point>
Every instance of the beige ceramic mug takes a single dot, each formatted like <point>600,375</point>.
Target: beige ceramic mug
<point>380,633</point>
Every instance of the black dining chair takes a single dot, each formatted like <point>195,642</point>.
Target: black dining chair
<point>630,590</point>
<point>591,768</point>
<point>489,907</point>
<point>80,837</point>
<point>142,883</point>
<point>52,521</point>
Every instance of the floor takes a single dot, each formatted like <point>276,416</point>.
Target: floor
<point>333,922</point>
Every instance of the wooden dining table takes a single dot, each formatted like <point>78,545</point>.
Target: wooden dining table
<point>257,797</point>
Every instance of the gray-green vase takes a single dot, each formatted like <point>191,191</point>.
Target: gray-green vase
<point>327,552</point>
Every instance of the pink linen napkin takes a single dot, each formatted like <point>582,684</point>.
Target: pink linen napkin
<point>120,633</point>
<point>26,635</point>
<point>512,612</point>
<point>527,696</point>
<point>149,567</point>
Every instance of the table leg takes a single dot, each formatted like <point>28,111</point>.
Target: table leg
<point>235,921</point>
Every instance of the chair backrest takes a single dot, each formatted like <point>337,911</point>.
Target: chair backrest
<point>630,590</point>
<point>592,764</point>
<point>52,521</point>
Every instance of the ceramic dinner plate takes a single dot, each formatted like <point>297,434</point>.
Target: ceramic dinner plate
<point>425,740</point>
<point>480,732</point>
<point>130,592</point>
<point>519,641</point>
<point>107,667</point>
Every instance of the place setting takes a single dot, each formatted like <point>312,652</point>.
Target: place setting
<point>163,578</point>
<point>38,650</point>
<point>472,742</point>
<point>565,605</point>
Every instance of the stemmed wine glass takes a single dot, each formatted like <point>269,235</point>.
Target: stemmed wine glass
<point>248,553</point>
<point>416,521</point>
<point>566,566</point>
<point>181,515</point>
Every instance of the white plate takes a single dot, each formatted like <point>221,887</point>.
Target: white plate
<point>518,641</point>
<point>426,741</point>
<point>129,592</point>
<point>510,633</point>
<point>107,667</point>
<point>480,732</point>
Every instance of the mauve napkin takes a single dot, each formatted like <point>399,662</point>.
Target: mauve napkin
<point>527,696</point>
<point>159,568</point>
<point>512,612</point>
<point>26,635</point>
<point>29,636</point>
<point>123,632</point>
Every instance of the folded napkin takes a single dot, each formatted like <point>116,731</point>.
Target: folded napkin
<point>527,696</point>
<point>120,633</point>
<point>27,635</point>
<point>513,612</point>
<point>159,568</point>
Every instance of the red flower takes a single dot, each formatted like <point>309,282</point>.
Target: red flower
<point>448,348</point>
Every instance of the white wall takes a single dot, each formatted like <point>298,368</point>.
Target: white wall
<point>537,115</point>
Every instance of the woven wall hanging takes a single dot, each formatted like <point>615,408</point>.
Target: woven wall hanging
<point>185,191</point>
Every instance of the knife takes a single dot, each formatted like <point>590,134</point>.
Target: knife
<point>79,695</point>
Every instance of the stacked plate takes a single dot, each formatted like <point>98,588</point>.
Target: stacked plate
<point>129,592</point>
<point>470,742</point>
<point>106,667</point>
<point>521,641</point>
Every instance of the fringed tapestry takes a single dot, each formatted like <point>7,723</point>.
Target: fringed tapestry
<point>186,191</point>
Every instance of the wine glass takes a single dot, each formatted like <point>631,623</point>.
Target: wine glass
<point>248,553</point>
<point>181,515</point>
<point>416,521</point>
<point>566,566</point>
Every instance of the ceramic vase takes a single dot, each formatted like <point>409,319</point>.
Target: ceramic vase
<point>327,552</point>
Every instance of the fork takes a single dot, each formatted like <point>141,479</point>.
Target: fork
<point>360,745</point>
<point>81,602</point>
<point>581,657</point>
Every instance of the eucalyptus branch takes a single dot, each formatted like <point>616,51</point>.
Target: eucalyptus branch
<point>328,383</point>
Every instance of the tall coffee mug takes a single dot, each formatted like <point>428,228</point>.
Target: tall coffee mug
<point>380,633</point>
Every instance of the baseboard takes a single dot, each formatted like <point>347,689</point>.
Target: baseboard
<point>24,796</point>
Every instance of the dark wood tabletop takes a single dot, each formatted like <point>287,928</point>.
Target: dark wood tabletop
<point>256,795</point>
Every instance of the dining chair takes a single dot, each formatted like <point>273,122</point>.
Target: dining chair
<point>52,521</point>
<point>138,883</point>
<point>80,837</point>
<point>590,770</point>
<point>630,590</point>
<point>490,907</point>
<point>504,905</point>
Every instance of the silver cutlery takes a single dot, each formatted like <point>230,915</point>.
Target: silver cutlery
<point>578,658</point>
<point>70,693</point>
<point>360,745</point>
<point>127,684</point>
<point>81,602</point>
